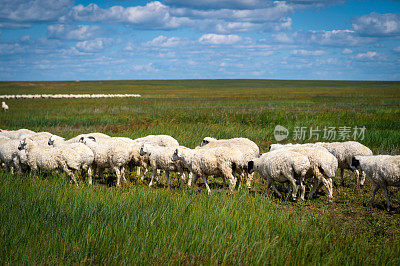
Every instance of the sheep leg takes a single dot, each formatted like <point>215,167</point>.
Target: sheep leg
<point>152,177</point>
<point>69,172</point>
<point>325,182</point>
<point>293,187</point>
<point>89,171</point>
<point>277,191</point>
<point>376,188</point>
<point>388,205</point>
<point>232,182</point>
<point>362,178</point>
<point>357,174</point>
<point>123,173</point>
<point>118,173</point>
<point>138,171</point>
<point>193,179</point>
<point>205,182</point>
<point>169,181</point>
<point>249,180</point>
<point>183,177</point>
<point>342,175</point>
<point>314,188</point>
<point>268,185</point>
<point>144,174</point>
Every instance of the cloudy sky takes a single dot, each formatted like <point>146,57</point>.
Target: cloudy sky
<point>180,39</point>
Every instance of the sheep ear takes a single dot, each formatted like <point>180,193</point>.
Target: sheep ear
<point>81,139</point>
<point>269,149</point>
<point>204,142</point>
<point>250,167</point>
<point>92,138</point>
<point>355,162</point>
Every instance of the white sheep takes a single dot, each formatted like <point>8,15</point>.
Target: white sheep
<point>248,148</point>
<point>8,153</point>
<point>42,158</point>
<point>323,165</point>
<point>111,154</point>
<point>41,138</point>
<point>17,134</point>
<point>143,161</point>
<point>282,166</point>
<point>85,153</point>
<point>99,137</point>
<point>344,152</point>
<point>161,158</point>
<point>382,170</point>
<point>218,161</point>
<point>4,106</point>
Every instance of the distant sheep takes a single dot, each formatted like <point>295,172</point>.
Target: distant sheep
<point>4,106</point>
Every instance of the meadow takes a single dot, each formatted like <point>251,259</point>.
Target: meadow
<point>45,219</point>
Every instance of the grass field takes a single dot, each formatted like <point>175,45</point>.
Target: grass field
<point>47,220</point>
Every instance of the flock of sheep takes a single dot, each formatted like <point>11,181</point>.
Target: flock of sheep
<point>68,96</point>
<point>232,159</point>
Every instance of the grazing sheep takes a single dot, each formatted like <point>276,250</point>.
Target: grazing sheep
<point>85,153</point>
<point>143,161</point>
<point>382,170</point>
<point>344,152</point>
<point>218,161</point>
<point>44,158</point>
<point>161,158</point>
<point>99,137</point>
<point>8,153</point>
<point>17,134</point>
<point>247,147</point>
<point>323,165</point>
<point>282,166</point>
<point>160,140</point>
<point>111,154</point>
<point>41,138</point>
<point>4,106</point>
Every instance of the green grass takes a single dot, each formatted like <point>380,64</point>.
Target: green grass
<point>48,220</point>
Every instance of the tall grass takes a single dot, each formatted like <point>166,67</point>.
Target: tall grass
<point>49,221</point>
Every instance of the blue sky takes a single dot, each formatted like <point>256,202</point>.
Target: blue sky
<point>185,39</point>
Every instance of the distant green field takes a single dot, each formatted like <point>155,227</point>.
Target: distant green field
<point>46,220</point>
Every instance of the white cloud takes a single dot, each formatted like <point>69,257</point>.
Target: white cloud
<point>145,68</point>
<point>367,55</point>
<point>154,15</point>
<point>249,4</point>
<point>322,37</point>
<point>347,51</point>
<point>162,41</point>
<point>14,13</point>
<point>375,24</point>
<point>219,39</point>
<point>80,32</point>
<point>307,52</point>
<point>95,45</point>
